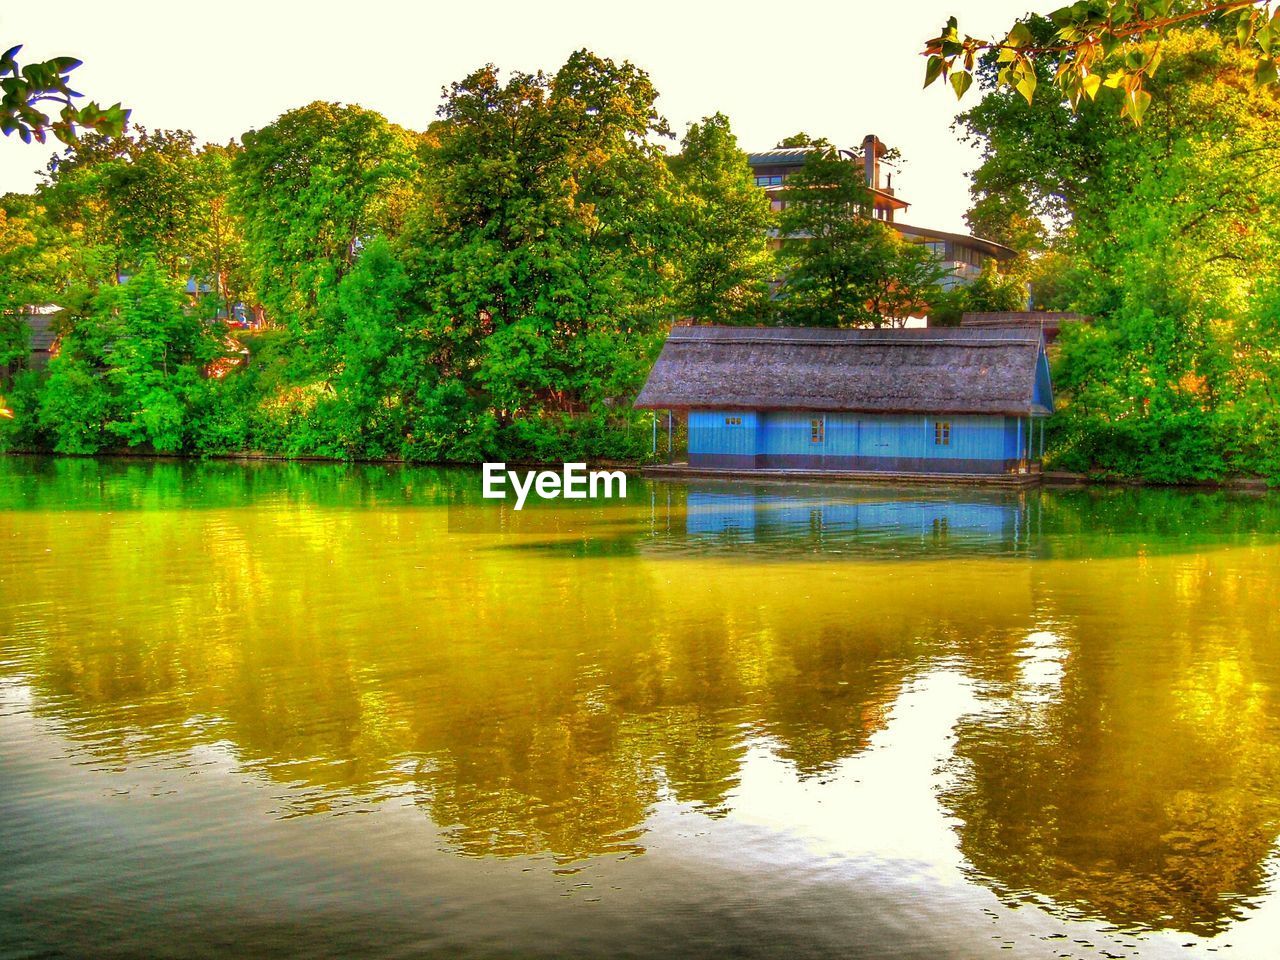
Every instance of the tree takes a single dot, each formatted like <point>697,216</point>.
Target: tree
<point>25,89</point>
<point>990,292</point>
<point>132,371</point>
<point>802,139</point>
<point>1106,44</point>
<point>844,268</point>
<point>549,259</point>
<point>725,262</point>
<point>310,189</point>
<point>1044,167</point>
<point>149,193</point>
<point>1167,235</point>
<point>374,385</point>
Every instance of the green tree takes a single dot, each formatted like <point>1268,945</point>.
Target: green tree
<point>844,268</point>
<point>549,259</point>
<point>725,261</point>
<point>310,189</point>
<point>990,291</point>
<point>1172,240</point>
<point>131,372</point>
<point>149,193</point>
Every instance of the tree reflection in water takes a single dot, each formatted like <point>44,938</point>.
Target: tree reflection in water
<point>539,691</point>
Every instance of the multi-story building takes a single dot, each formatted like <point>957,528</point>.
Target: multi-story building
<point>964,254</point>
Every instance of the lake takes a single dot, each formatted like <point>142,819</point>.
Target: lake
<point>327,710</point>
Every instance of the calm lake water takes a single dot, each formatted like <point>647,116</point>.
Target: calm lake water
<point>280,710</point>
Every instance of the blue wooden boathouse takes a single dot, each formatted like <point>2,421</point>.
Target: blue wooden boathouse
<point>898,401</point>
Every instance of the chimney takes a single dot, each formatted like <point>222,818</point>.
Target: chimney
<point>871,150</point>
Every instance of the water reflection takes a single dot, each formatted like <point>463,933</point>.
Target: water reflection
<point>542,690</point>
<point>1132,770</point>
<point>867,521</point>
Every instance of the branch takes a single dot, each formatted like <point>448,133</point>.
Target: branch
<point>36,83</point>
<point>1088,37</point>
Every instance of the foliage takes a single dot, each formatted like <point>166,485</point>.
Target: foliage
<point>496,286</point>
<point>549,258</point>
<point>802,139</point>
<point>845,268</point>
<point>724,220</point>
<point>129,374</point>
<point>1106,45</point>
<point>1167,235</point>
<point>309,190</point>
<point>25,89</point>
<point>990,291</point>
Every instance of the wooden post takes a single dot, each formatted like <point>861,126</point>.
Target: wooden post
<point>669,436</point>
<point>655,433</point>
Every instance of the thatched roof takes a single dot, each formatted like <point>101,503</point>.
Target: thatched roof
<point>1049,322</point>
<point>938,370</point>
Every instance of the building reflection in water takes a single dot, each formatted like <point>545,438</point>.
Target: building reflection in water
<point>866,520</point>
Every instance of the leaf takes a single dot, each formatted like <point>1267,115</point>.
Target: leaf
<point>1026,82</point>
<point>1244,28</point>
<point>1267,73</point>
<point>961,81</point>
<point>1136,104</point>
<point>1091,84</point>
<point>1061,16</point>
<point>1020,35</point>
<point>932,70</point>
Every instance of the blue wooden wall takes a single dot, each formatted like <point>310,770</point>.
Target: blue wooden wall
<point>710,433</point>
<point>860,435</point>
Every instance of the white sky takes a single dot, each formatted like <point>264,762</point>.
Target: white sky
<point>835,69</point>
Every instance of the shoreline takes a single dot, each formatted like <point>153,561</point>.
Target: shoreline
<point>674,471</point>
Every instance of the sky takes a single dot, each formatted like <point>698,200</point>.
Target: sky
<point>834,69</point>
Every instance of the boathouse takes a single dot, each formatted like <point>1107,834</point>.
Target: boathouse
<point>899,401</point>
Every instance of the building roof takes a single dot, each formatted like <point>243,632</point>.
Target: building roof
<point>938,370</point>
<point>1048,322</point>
<point>782,156</point>
<point>992,249</point>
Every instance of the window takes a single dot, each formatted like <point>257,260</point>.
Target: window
<point>733,421</point>
<point>818,430</point>
<point>772,181</point>
<point>942,433</point>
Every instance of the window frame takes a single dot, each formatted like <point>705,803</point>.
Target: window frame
<point>942,433</point>
<point>818,429</point>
